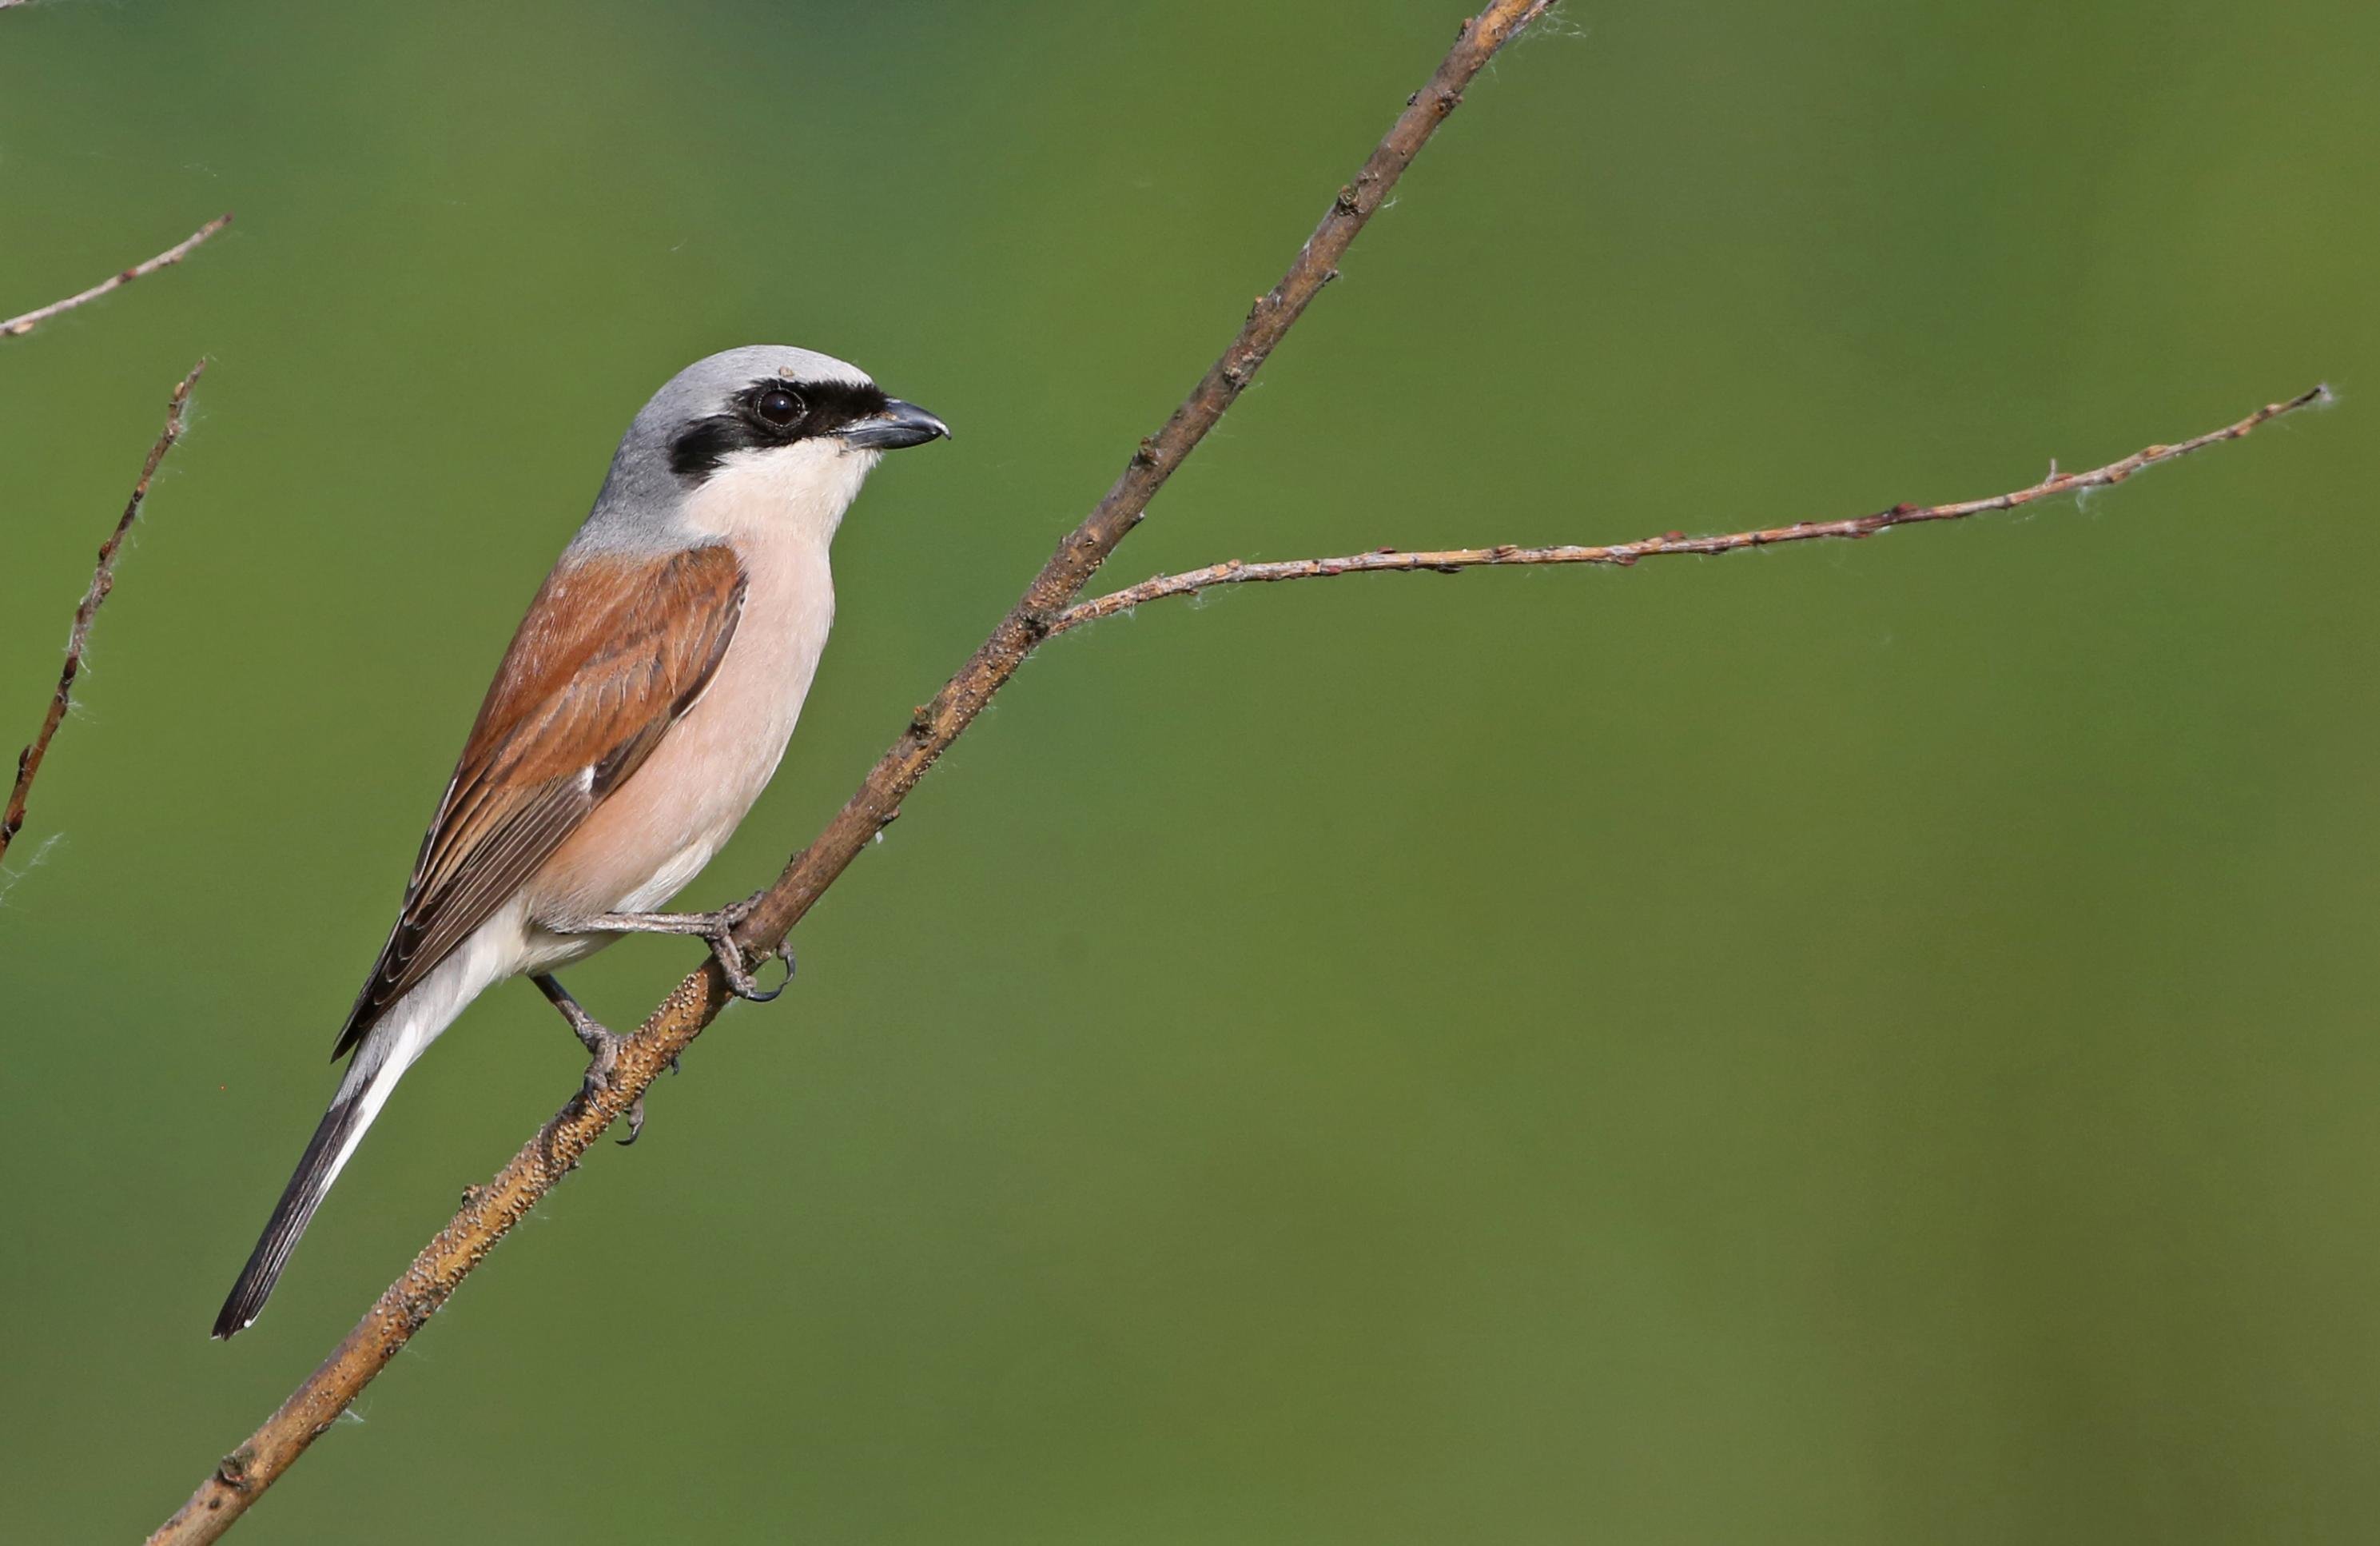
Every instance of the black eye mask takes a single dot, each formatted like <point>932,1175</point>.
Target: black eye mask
<point>770,411</point>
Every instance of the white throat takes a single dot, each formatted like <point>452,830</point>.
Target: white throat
<point>764,497</point>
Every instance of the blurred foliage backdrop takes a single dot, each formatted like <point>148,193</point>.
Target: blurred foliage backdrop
<point>1849,1045</point>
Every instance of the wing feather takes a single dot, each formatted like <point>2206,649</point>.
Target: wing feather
<point>611,653</point>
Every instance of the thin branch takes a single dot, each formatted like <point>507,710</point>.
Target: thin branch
<point>489,1212</point>
<point>1624,554</point>
<point>103,580</point>
<point>16,326</point>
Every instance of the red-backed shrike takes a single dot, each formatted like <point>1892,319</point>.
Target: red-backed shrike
<point>642,707</point>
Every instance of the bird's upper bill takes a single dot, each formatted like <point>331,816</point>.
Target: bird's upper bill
<point>899,425</point>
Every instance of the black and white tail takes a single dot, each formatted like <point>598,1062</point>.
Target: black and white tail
<point>379,1062</point>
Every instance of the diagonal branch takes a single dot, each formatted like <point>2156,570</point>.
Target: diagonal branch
<point>1624,554</point>
<point>16,326</point>
<point>103,580</point>
<point>489,1212</point>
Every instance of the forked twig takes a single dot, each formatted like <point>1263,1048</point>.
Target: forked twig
<point>488,1213</point>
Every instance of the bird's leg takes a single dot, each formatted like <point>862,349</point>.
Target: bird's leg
<point>715,929</point>
<point>605,1045</point>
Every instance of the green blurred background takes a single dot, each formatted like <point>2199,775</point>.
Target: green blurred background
<point>1840,1044</point>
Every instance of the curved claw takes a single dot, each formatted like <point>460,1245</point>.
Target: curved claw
<point>756,996</point>
<point>636,1122</point>
<point>740,980</point>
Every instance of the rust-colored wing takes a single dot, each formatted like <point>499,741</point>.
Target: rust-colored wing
<point>611,653</point>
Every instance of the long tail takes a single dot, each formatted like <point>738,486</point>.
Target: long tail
<point>488,954</point>
<point>379,1063</point>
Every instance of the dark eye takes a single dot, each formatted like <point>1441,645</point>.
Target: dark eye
<point>777,407</point>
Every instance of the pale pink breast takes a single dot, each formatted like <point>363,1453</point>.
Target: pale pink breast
<point>657,830</point>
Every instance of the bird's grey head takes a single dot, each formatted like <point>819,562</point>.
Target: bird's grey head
<point>803,424</point>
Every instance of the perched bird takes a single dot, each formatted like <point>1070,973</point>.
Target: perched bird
<point>641,708</point>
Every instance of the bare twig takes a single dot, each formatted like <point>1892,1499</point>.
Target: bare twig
<point>103,580</point>
<point>15,327</point>
<point>1624,554</point>
<point>489,1212</point>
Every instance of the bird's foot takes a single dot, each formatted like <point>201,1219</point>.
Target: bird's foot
<point>737,964</point>
<point>603,1049</point>
<point>605,1045</point>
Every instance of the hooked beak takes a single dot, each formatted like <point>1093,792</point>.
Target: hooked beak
<point>901,424</point>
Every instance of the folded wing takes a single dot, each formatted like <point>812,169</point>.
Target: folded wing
<point>612,651</point>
